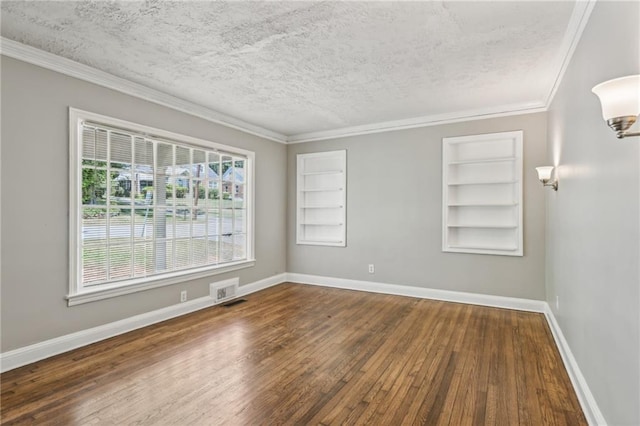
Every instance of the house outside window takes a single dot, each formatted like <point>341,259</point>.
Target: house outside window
<point>151,208</point>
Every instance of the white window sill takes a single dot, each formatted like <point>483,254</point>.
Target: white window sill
<point>107,291</point>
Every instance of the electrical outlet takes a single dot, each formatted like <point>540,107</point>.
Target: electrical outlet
<point>557,303</point>
<point>183,296</point>
<point>372,269</point>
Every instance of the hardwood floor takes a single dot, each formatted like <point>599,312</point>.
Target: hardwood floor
<point>296,354</point>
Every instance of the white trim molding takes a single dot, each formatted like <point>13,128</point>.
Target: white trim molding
<point>32,353</point>
<point>424,121</point>
<point>48,348</point>
<point>585,397</point>
<point>65,66</point>
<point>528,305</point>
<point>577,23</point>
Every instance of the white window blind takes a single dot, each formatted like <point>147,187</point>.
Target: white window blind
<point>149,206</point>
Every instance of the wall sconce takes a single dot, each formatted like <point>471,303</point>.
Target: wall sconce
<point>620,100</point>
<point>544,174</point>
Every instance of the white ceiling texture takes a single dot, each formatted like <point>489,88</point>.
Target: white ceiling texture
<point>308,69</point>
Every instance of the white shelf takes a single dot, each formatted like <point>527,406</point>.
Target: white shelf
<point>482,160</point>
<point>488,182</point>
<point>483,226</point>
<point>478,247</point>
<point>482,204</point>
<point>321,198</point>
<point>325,242</point>
<point>320,189</point>
<point>482,194</point>
<point>323,172</point>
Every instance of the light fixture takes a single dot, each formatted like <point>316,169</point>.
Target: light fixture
<point>544,174</point>
<point>620,100</point>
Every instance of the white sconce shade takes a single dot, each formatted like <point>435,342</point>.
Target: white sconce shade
<point>544,174</point>
<point>620,101</point>
<point>619,97</point>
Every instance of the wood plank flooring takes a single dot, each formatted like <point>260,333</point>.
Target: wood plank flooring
<point>296,354</point>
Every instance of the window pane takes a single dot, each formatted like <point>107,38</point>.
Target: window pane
<point>183,160</point>
<point>94,225</point>
<point>144,153</point>
<point>238,195</point>
<point>121,148</point>
<point>239,246</point>
<point>183,253</point>
<point>227,169</point>
<point>199,249</point>
<point>213,246</point>
<point>99,151</point>
<point>94,186</point>
<point>120,261</point>
<point>164,158</point>
<point>199,157</point>
<point>144,224</point>
<point>213,225</point>
<point>227,221</point>
<point>198,192</point>
<point>239,221</point>
<point>199,223</point>
<point>89,143</point>
<point>143,259</point>
<point>94,263</point>
<point>163,223</point>
<point>183,223</point>
<point>163,256</point>
<point>165,191</point>
<point>226,248</point>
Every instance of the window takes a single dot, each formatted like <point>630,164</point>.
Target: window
<point>149,207</point>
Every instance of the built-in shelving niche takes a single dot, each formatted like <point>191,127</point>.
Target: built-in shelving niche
<point>321,198</point>
<point>482,194</point>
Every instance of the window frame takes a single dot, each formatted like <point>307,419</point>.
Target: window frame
<point>80,293</point>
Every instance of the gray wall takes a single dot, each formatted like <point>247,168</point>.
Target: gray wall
<point>592,224</point>
<point>34,191</point>
<point>394,214</point>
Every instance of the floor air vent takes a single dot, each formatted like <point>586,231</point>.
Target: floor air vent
<point>224,290</point>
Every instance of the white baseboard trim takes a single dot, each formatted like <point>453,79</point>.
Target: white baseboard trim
<point>421,292</point>
<point>32,353</point>
<point>261,284</point>
<point>585,397</point>
<point>48,348</point>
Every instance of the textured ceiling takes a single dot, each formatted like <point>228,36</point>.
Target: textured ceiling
<point>298,67</point>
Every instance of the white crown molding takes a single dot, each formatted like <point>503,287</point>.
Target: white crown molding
<point>71,68</point>
<point>424,121</point>
<point>577,23</point>
<point>48,348</point>
<point>421,292</point>
<point>585,397</point>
